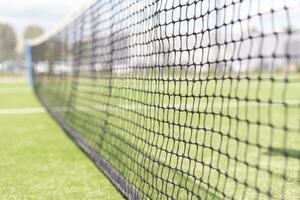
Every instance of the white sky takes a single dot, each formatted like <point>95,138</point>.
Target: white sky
<point>47,13</point>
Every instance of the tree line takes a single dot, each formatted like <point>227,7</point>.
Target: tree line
<point>9,41</point>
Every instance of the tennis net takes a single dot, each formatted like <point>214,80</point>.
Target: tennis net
<point>180,99</point>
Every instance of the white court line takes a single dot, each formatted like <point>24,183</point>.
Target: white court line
<point>15,90</point>
<point>13,111</point>
<point>12,80</point>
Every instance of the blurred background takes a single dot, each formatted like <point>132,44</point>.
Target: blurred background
<point>22,20</point>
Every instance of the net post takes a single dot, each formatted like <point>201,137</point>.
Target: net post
<point>28,64</point>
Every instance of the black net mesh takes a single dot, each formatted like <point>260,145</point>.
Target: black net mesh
<point>181,99</point>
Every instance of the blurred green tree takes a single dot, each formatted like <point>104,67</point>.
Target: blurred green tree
<point>8,42</point>
<point>33,31</point>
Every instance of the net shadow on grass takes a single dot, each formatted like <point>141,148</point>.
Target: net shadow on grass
<point>291,153</point>
<point>181,179</point>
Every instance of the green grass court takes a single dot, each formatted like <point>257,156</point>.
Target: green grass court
<point>37,159</point>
